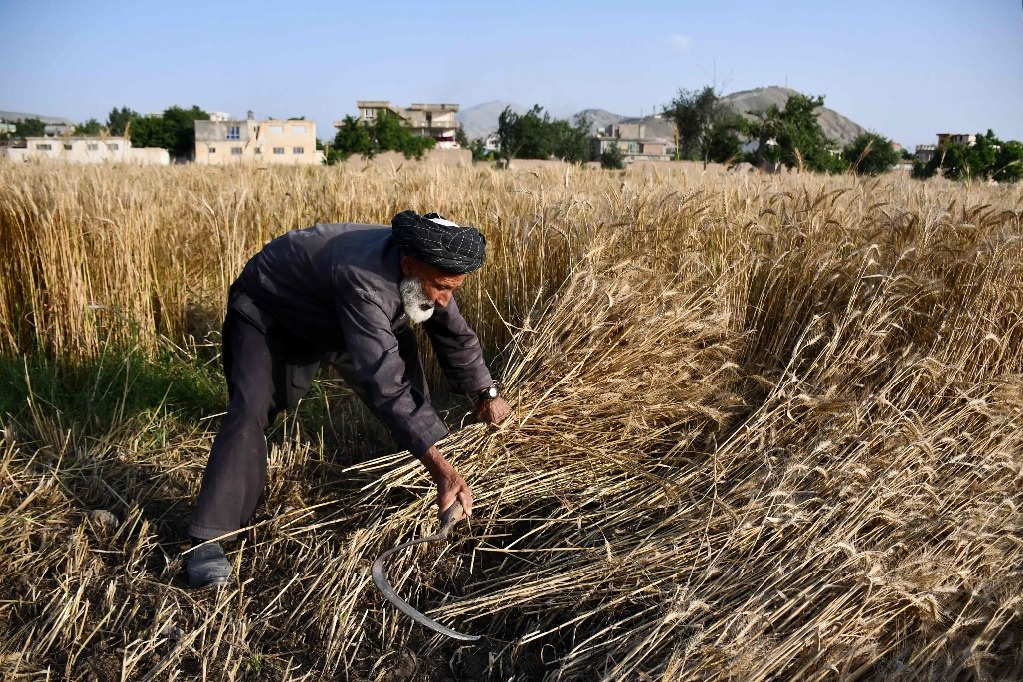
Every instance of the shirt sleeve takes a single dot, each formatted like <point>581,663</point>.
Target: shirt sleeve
<point>380,373</point>
<point>458,350</point>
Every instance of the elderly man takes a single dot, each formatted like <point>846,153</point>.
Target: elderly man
<point>342,293</point>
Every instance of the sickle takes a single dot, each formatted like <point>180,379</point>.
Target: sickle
<point>448,521</point>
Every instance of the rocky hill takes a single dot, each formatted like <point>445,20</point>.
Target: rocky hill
<point>15,116</point>
<point>836,126</point>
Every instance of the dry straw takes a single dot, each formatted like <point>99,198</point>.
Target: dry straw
<point>765,428</point>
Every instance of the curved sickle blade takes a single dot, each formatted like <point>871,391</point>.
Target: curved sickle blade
<point>450,518</point>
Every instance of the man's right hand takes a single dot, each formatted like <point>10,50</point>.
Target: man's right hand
<point>451,487</point>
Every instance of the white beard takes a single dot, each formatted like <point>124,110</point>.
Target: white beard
<point>417,306</point>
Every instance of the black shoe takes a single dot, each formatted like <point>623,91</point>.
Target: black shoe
<point>207,565</point>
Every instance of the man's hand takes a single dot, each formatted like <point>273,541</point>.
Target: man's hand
<point>451,487</point>
<point>492,411</point>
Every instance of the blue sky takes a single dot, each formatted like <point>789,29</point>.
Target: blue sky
<point>906,68</point>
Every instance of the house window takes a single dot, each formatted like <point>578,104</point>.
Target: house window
<point>276,130</point>
<point>114,147</point>
<point>298,150</point>
<point>370,113</point>
<point>213,150</point>
<point>68,146</point>
<point>234,133</point>
<point>278,150</point>
<point>236,151</point>
<point>258,150</point>
<point>298,130</point>
<point>93,147</point>
<point>634,148</point>
<point>43,147</point>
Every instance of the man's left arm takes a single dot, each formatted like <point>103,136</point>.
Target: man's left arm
<point>460,355</point>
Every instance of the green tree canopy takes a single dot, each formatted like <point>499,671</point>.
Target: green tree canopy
<point>181,126</point>
<point>571,142</point>
<point>30,127</point>
<point>91,127</point>
<point>388,132</point>
<point>612,158</point>
<point>1009,162</point>
<point>870,154</point>
<point>801,142</point>
<point>118,120</point>
<point>174,130</point>
<point>534,135</point>
<point>150,131</point>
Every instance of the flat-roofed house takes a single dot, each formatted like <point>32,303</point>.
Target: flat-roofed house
<point>957,138</point>
<point>84,150</point>
<point>269,141</point>
<point>633,140</point>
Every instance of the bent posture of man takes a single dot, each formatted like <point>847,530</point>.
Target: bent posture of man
<point>342,293</point>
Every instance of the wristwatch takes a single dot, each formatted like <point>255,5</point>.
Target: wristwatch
<point>487,394</point>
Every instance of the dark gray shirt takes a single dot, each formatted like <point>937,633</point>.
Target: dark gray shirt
<point>336,287</point>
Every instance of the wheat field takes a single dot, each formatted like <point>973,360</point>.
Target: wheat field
<point>765,428</point>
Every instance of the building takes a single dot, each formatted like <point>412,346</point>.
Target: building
<point>84,150</point>
<point>435,121</point>
<point>925,152</point>
<point>263,142</point>
<point>957,138</point>
<point>492,143</point>
<point>633,141</point>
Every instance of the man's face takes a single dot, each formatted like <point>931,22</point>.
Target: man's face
<point>437,284</point>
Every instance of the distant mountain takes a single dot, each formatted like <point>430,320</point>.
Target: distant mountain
<point>598,118</point>
<point>15,116</point>
<point>481,120</point>
<point>835,125</point>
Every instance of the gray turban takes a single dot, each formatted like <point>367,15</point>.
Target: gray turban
<point>439,242</point>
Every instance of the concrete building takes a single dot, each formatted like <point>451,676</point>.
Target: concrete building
<point>436,121</point>
<point>263,142</point>
<point>925,152</point>
<point>957,138</point>
<point>84,150</point>
<point>633,141</point>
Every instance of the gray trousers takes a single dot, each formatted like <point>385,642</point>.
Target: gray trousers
<point>267,371</point>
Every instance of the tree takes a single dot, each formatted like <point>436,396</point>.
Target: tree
<point>611,158</point>
<point>870,154</point>
<point>571,142</point>
<point>92,127</point>
<point>119,119</point>
<point>30,127</point>
<point>180,124</point>
<point>800,140</point>
<point>461,138</point>
<point>695,113</point>
<point>388,132</point>
<point>1008,165</point>
<point>174,130</point>
<point>352,138</point>
<point>527,136</point>
<point>150,131</point>
<point>534,135</point>
<point>479,150</point>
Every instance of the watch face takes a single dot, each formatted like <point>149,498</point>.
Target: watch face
<point>491,392</point>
